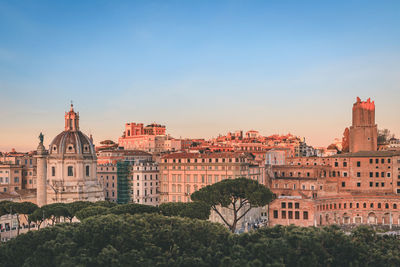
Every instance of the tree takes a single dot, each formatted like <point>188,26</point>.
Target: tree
<point>238,195</point>
<point>55,211</point>
<point>194,210</point>
<point>38,216</point>
<point>27,208</point>
<point>133,208</point>
<point>76,206</point>
<point>91,211</point>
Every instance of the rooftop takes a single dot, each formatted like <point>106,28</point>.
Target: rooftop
<point>367,154</point>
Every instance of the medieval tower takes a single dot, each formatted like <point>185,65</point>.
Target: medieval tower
<point>364,131</point>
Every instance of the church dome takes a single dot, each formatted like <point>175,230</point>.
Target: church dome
<point>72,140</point>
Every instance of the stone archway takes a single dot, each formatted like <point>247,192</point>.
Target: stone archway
<point>386,219</point>
<point>358,220</point>
<point>372,219</point>
<point>346,219</point>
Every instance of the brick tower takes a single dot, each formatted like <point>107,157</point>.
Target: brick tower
<point>364,131</point>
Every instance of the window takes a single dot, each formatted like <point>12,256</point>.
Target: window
<point>305,215</point>
<point>377,174</point>
<point>87,170</point>
<point>371,174</point>
<point>345,164</point>
<point>358,174</point>
<point>297,205</point>
<point>371,161</point>
<point>70,171</point>
<point>290,214</point>
<point>283,214</point>
<point>371,184</point>
<point>336,164</point>
<point>283,205</point>
<point>343,184</point>
<point>275,214</point>
<point>382,161</point>
<point>53,171</point>
<point>297,215</point>
<point>290,205</point>
<point>379,205</point>
<point>358,184</point>
<point>376,161</point>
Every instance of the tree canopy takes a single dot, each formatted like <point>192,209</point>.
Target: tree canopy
<point>156,240</point>
<point>194,210</point>
<point>239,195</point>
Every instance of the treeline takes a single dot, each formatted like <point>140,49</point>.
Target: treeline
<point>66,212</point>
<point>157,240</point>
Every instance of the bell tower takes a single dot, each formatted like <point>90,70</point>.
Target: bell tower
<point>364,131</point>
<point>71,120</point>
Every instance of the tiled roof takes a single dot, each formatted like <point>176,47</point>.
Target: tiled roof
<point>367,154</point>
<point>204,155</point>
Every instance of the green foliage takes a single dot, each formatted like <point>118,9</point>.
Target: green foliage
<point>76,206</point>
<point>91,211</point>
<point>240,195</point>
<point>156,240</point>
<point>132,209</point>
<point>105,203</point>
<point>194,210</point>
<point>121,240</point>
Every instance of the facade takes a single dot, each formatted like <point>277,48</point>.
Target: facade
<point>10,178</point>
<point>361,187</point>
<point>181,174</point>
<point>151,138</point>
<point>143,183</point>
<point>112,156</point>
<point>67,172</point>
<point>28,163</point>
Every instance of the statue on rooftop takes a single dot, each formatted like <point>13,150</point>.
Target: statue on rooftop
<point>41,137</point>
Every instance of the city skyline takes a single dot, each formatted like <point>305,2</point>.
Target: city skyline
<point>200,69</point>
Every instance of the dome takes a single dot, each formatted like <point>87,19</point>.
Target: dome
<point>72,140</point>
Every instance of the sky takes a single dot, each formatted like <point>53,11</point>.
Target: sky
<point>202,68</point>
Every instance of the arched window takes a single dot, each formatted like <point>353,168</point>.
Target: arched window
<point>70,171</point>
<point>53,171</point>
<point>395,206</point>
<point>87,170</point>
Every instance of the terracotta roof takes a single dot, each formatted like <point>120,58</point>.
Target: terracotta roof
<point>18,194</point>
<point>126,152</point>
<point>367,154</point>
<point>204,155</point>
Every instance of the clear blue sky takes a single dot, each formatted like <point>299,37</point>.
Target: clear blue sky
<point>200,67</point>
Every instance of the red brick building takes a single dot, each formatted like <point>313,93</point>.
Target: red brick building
<point>361,187</point>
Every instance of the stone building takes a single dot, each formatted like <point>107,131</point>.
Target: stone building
<point>151,138</point>
<point>143,182</point>
<point>181,174</point>
<point>67,172</point>
<point>360,187</point>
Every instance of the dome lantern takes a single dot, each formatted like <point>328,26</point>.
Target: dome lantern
<point>71,120</point>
